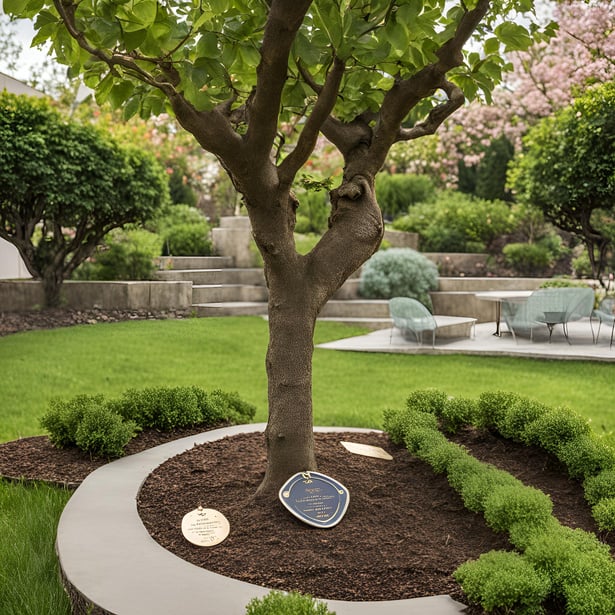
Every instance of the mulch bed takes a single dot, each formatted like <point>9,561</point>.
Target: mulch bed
<point>403,535</point>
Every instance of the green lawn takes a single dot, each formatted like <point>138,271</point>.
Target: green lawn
<point>350,389</point>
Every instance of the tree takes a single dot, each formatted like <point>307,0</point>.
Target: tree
<point>542,79</point>
<point>236,74</point>
<point>567,169</point>
<point>64,186</point>
<point>9,49</point>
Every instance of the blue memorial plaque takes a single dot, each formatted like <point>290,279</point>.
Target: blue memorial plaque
<point>315,498</point>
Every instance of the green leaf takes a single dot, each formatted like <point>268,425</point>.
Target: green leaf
<point>15,7</point>
<point>120,92</point>
<point>492,45</point>
<point>145,11</point>
<point>514,36</point>
<point>207,47</point>
<point>131,107</point>
<point>104,87</point>
<point>304,50</point>
<point>133,39</point>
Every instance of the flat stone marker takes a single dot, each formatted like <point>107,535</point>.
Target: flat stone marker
<point>367,450</point>
<point>315,498</point>
<point>205,527</point>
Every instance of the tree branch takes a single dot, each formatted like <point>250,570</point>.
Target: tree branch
<point>436,116</point>
<point>405,94</point>
<point>307,139</point>
<point>285,18</point>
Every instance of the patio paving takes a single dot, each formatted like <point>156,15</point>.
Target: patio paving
<point>484,342</point>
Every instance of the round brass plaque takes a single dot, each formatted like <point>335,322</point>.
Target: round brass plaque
<point>205,527</point>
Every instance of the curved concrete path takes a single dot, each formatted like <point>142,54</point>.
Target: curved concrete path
<point>108,557</point>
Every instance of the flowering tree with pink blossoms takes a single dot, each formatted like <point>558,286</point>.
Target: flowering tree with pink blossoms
<point>545,78</point>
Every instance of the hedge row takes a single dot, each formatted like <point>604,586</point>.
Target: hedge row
<point>103,427</point>
<point>552,561</point>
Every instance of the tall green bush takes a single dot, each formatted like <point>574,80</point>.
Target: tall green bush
<point>124,255</point>
<point>398,272</point>
<point>456,222</point>
<point>527,258</point>
<point>313,213</point>
<point>183,231</point>
<point>395,193</point>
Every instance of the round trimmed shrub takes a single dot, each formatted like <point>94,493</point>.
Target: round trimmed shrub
<point>509,504</point>
<point>506,580</point>
<point>600,486</point>
<point>293,603</point>
<point>604,514</point>
<point>103,433</point>
<point>585,456</point>
<point>399,272</point>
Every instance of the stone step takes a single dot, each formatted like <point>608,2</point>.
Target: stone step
<point>453,326</point>
<point>464,304</point>
<point>250,276</point>
<point>234,222</point>
<point>468,284</point>
<point>369,323</point>
<point>217,293</point>
<point>230,308</point>
<point>166,263</point>
<point>358,308</point>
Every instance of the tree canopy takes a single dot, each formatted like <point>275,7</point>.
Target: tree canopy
<point>567,169</point>
<point>256,83</point>
<point>63,186</point>
<point>541,80</point>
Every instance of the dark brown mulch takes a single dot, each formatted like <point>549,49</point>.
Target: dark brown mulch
<point>405,531</point>
<point>403,535</point>
<point>14,322</point>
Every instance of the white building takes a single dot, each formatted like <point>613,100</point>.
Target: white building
<point>11,264</point>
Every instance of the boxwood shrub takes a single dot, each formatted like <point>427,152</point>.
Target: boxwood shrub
<point>103,427</point>
<point>280,603</point>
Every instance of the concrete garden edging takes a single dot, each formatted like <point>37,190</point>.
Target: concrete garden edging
<point>109,560</point>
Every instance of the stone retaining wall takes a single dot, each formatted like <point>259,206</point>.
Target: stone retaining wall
<point>18,295</point>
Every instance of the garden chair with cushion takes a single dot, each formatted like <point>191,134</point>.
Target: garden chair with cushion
<point>548,307</point>
<point>605,312</point>
<point>412,318</point>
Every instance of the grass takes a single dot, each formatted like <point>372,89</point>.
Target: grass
<point>350,389</point>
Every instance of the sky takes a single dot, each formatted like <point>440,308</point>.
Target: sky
<point>23,32</point>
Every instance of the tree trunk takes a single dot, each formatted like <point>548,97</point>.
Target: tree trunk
<point>52,288</point>
<point>299,286</point>
<point>289,433</point>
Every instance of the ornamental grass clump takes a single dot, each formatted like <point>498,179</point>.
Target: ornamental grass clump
<point>504,580</point>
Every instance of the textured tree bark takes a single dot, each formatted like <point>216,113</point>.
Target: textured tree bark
<point>299,286</point>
